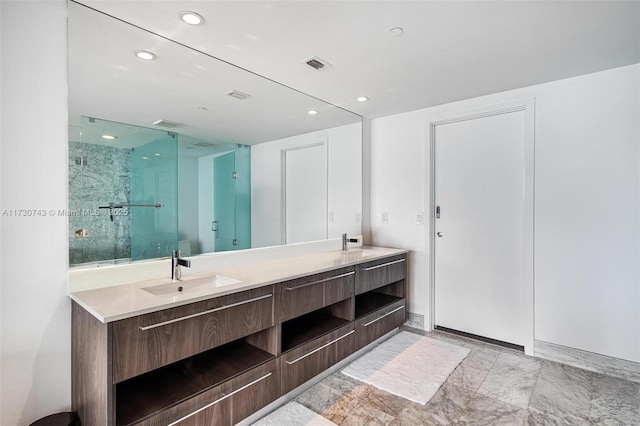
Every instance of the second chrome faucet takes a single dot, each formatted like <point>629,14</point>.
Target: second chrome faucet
<point>346,240</point>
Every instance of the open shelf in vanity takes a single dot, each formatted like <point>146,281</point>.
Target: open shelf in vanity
<point>374,300</point>
<point>307,327</point>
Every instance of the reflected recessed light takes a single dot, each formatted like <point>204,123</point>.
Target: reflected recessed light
<point>362,99</point>
<point>312,112</point>
<point>108,137</point>
<point>396,32</point>
<point>191,18</point>
<point>157,154</point>
<point>145,55</point>
<point>145,158</point>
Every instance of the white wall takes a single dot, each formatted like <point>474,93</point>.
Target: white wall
<point>344,185</point>
<point>587,205</point>
<point>35,310</point>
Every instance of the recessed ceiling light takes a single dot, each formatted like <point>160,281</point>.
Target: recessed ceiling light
<point>396,32</point>
<point>312,112</point>
<point>362,99</point>
<point>108,137</point>
<point>145,55</point>
<point>145,158</point>
<point>191,18</point>
<point>157,154</point>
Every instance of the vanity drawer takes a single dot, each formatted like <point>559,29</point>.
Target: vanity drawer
<point>149,341</point>
<point>226,404</point>
<point>377,324</point>
<point>378,273</point>
<point>303,295</point>
<point>311,359</point>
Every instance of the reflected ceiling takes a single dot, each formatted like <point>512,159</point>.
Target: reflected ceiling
<point>182,86</point>
<point>450,50</point>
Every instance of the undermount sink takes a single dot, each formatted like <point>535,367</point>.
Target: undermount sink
<point>193,285</point>
<point>359,253</point>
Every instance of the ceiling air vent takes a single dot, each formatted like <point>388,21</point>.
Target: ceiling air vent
<point>167,123</point>
<point>238,95</point>
<point>202,144</point>
<point>316,63</point>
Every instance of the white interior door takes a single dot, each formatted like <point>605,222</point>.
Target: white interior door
<point>481,255</point>
<point>305,182</point>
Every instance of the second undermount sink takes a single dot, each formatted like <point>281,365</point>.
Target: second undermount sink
<point>359,253</point>
<point>193,285</point>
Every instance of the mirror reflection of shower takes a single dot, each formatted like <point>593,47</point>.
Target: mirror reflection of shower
<point>124,199</point>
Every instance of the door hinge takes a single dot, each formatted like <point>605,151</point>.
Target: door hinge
<point>235,242</point>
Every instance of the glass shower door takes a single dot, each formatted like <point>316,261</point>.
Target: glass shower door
<point>224,222</point>
<point>154,198</point>
<point>232,200</point>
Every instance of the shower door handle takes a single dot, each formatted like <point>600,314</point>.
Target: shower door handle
<point>214,226</point>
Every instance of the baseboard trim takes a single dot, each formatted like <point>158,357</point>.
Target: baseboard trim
<point>615,367</point>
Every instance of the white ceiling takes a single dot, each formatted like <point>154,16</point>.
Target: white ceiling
<point>450,50</point>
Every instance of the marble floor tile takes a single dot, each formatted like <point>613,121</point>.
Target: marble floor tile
<point>563,392</point>
<point>492,386</point>
<point>414,415</point>
<point>614,401</point>
<point>357,408</point>
<point>449,403</point>
<point>511,379</point>
<point>319,397</point>
<point>483,410</point>
<point>535,418</point>
<point>468,376</point>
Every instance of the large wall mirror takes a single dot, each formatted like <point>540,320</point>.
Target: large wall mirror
<point>182,150</point>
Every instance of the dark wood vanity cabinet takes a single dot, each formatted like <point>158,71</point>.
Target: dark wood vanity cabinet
<point>220,360</point>
<point>169,335</point>
<point>307,294</point>
<point>375,325</point>
<point>380,298</point>
<point>193,364</point>
<point>315,356</point>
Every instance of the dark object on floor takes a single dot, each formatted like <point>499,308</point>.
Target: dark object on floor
<point>59,419</point>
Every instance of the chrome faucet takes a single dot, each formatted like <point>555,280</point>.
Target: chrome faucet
<point>346,240</point>
<point>176,262</point>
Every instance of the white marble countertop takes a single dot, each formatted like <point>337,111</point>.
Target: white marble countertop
<point>122,301</point>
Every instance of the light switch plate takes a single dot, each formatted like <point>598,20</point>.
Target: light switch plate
<point>419,218</point>
<point>385,218</point>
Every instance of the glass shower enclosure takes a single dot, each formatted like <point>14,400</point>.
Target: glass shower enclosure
<point>122,192</point>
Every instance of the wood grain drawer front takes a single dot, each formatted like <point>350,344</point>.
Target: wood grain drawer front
<point>146,342</point>
<point>313,358</point>
<point>304,295</point>
<point>254,391</point>
<point>379,323</point>
<point>375,274</point>
<point>226,404</point>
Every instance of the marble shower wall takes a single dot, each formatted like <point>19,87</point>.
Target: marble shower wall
<point>98,175</point>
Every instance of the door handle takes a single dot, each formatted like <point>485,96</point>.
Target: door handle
<point>437,212</point>
<point>439,234</point>
<point>214,226</point>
